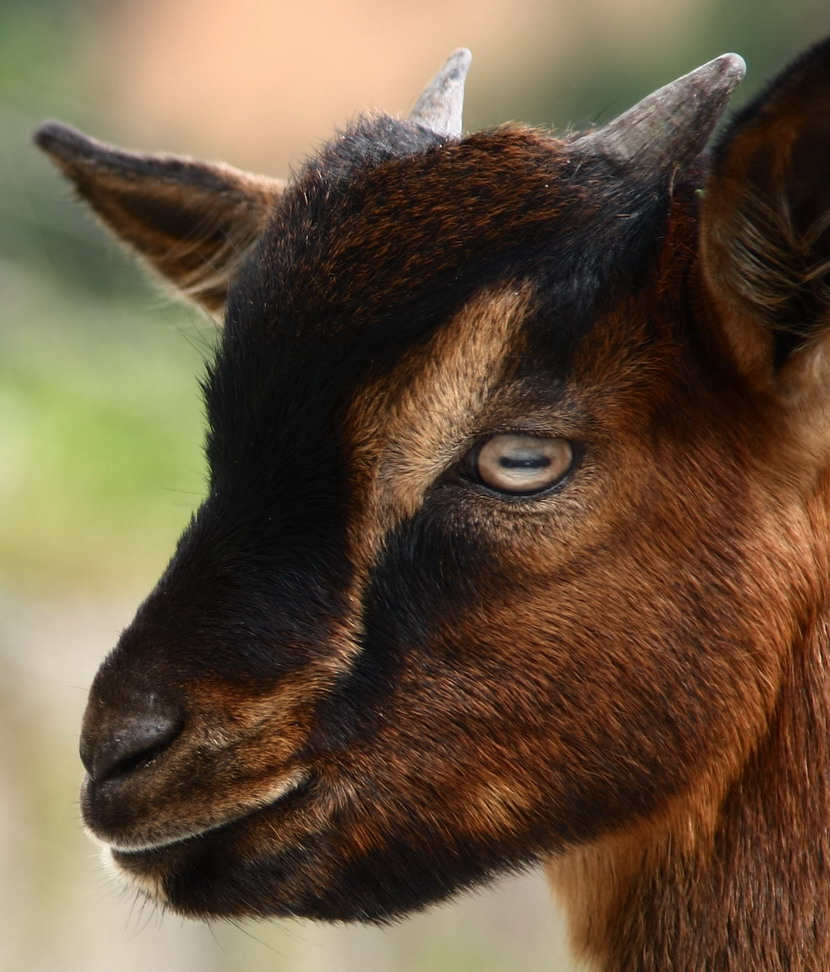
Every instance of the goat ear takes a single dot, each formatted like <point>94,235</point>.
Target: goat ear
<point>766,231</point>
<point>192,222</point>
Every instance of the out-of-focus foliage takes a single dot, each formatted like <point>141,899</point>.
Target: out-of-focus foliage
<point>609,65</point>
<point>100,458</point>
<point>100,445</point>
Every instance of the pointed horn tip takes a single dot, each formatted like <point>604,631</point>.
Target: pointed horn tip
<point>722,73</point>
<point>730,66</point>
<point>440,105</point>
<point>459,61</point>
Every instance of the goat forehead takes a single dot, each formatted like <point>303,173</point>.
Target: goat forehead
<point>311,402</point>
<point>373,251</point>
<point>360,234</point>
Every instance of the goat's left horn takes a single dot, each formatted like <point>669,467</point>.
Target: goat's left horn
<point>441,105</point>
<point>671,126</point>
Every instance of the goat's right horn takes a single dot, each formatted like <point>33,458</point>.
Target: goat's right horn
<point>441,104</point>
<point>671,126</point>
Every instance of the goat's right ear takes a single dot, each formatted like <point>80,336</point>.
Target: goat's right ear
<point>192,222</point>
<point>766,237</point>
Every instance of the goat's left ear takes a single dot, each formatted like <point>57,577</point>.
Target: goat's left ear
<point>766,233</point>
<point>192,222</point>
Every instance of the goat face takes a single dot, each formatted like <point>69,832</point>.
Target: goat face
<point>494,557</point>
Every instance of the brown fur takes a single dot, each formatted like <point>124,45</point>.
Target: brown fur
<point>368,679</point>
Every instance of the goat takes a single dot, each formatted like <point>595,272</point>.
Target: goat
<point>515,545</point>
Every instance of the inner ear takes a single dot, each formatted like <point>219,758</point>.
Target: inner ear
<point>766,221</point>
<point>192,222</point>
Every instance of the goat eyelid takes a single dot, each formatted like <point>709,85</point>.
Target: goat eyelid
<point>518,464</point>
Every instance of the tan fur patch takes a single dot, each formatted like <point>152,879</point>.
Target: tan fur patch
<point>410,426</point>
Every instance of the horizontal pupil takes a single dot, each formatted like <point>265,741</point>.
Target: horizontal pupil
<point>537,462</point>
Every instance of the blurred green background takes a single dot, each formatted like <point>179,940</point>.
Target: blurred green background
<point>100,425</point>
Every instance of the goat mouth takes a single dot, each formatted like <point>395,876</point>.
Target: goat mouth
<point>280,793</point>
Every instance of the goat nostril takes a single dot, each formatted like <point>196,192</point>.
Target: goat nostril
<point>123,745</point>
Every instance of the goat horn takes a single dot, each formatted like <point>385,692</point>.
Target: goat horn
<point>440,106</point>
<point>672,125</point>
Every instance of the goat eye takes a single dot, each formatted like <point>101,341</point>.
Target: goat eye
<point>522,464</point>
